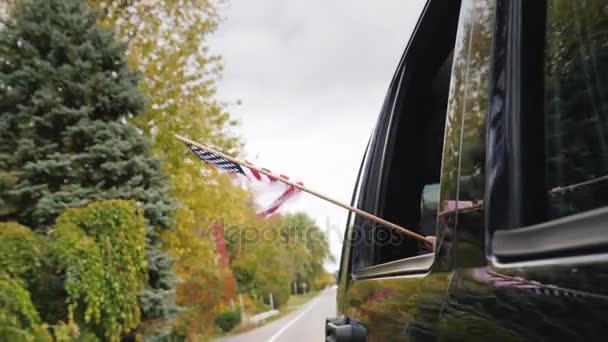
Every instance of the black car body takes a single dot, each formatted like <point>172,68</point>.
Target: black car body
<point>493,137</point>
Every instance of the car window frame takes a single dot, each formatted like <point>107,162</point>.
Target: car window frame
<point>366,198</point>
<point>419,265</point>
<point>515,236</point>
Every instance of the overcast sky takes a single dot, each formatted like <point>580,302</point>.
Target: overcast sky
<point>312,76</point>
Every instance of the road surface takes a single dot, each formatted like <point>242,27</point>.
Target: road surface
<point>307,323</point>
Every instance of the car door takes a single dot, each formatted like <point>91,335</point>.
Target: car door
<point>394,286</point>
<point>531,255</point>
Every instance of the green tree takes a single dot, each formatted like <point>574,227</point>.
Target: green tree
<point>66,93</point>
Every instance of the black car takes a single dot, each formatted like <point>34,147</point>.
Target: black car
<point>493,138</point>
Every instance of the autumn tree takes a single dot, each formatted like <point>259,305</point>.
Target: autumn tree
<point>309,249</point>
<point>281,254</point>
<point>167,43</point>
<point>260,258</point>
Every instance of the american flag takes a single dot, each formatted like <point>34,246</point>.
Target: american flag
<point>269,186</point>
<point>217,161</point>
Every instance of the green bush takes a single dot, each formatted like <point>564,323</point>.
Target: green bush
<point>19,320</point>
<point>71,332</point>
<point>101,250</point>
<point>20,251</point>
<point>25,256</point>
<point>280,295</point>
<point>226,321</point>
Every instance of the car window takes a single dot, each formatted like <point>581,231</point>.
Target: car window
<point>547,161</point>
<point>576,106</point>
<point>350,233</point>
<point>464,158</point>
<point>408,153</point>
<point>363,229</point>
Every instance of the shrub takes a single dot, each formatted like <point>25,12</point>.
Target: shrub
<point>101,249</point>
<point>323,280</point>
<point>20,251</point>
<point>280,295</point>
<point>19,320</point>
<point>226,321</point>
<point>24,256</point>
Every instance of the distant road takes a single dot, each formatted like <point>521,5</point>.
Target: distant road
<point>304,324</point>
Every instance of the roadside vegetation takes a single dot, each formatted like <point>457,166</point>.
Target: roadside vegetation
<point>294,302</point>
<point>108,226</point>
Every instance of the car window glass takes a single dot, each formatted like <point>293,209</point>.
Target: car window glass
<point>576,106</point>
<point>412,156</point>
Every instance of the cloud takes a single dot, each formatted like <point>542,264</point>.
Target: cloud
<point>312,76</point>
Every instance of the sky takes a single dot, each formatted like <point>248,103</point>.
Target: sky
<point>311,77</point>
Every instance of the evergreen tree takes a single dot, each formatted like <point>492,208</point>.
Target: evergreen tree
<point>66,93</point>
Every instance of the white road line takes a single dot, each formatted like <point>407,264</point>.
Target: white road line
<point>282,330</point>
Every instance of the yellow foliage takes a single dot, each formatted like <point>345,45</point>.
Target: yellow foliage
<point>167,44</point>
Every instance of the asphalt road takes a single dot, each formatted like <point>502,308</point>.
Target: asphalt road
<point>307,323</point>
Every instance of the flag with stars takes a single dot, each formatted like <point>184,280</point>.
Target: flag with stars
<point>270,193</point>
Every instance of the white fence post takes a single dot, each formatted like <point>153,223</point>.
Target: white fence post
<point>271,301</point>
<point>243,316</point>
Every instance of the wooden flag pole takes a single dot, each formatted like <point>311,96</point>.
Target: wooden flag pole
<point>310,191</point>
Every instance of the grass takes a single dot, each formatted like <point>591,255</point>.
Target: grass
<point>293,303</point>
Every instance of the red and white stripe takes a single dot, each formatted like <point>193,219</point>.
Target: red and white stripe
<point>288,191</point>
